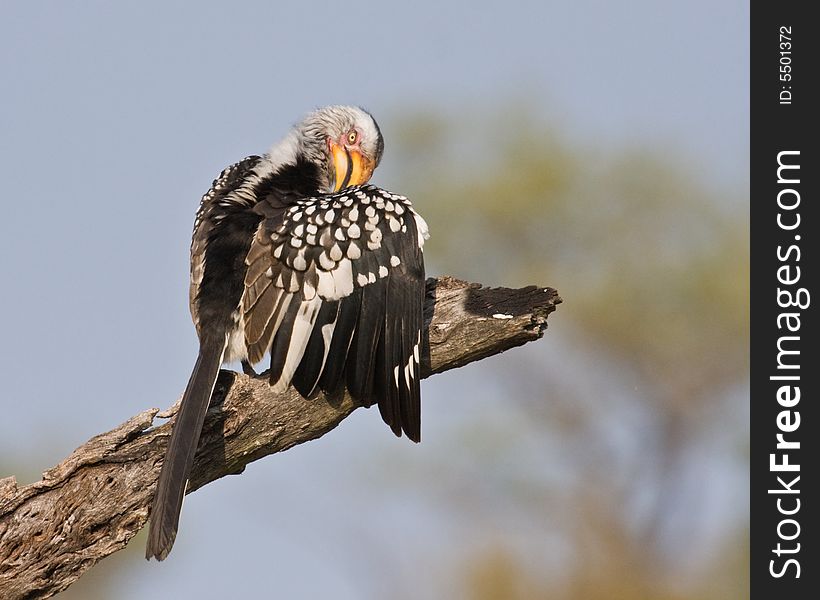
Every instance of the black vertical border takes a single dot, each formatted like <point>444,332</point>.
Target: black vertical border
<point>777,127</point>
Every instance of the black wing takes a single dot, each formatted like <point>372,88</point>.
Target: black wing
<point>227,195</point>
<point>335,291</point>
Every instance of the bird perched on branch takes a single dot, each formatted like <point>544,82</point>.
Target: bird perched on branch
<point>294,256</point>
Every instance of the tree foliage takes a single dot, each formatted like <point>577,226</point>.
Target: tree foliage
<point>652,261</point>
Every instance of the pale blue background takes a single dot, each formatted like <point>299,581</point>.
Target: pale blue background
<point>114,118</point>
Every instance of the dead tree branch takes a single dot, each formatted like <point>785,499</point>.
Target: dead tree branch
<point>92,503</point>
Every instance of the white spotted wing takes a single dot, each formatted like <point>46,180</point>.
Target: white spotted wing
<point>334,291</point>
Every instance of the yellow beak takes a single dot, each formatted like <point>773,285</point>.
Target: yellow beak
<point>350,166</point>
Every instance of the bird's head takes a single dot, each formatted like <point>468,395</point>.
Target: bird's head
<point>345,140</point>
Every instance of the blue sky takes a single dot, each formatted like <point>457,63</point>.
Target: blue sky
<point>114,118</point>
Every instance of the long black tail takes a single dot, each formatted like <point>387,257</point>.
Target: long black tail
<point>181,449</point>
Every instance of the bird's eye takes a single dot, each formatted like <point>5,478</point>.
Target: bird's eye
<point>352,136</point>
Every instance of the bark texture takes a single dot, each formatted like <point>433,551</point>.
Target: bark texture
<point>91,504</point>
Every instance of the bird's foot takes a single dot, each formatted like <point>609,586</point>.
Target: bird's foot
<point>247,369</point>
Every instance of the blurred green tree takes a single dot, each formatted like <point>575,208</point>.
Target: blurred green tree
<point>652,262</point>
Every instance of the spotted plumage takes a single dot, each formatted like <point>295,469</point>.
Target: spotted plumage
<point>296,258</point>
<point>310,271</point>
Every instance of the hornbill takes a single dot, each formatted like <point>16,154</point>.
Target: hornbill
<point>295,256</point>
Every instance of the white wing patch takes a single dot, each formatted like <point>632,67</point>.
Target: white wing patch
<point>302,328</point>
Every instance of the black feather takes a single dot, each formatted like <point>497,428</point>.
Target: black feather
<point>179,457</point>
<point>333,373</point>
<point>388,358</point>
<point>362,354</point>
<point>258,340</point>
<point>382,388</point>
<point>407,407</point>
<point>306,377</point>
<point>281,341</point>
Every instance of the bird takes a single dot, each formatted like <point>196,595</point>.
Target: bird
<point>295,256</point>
